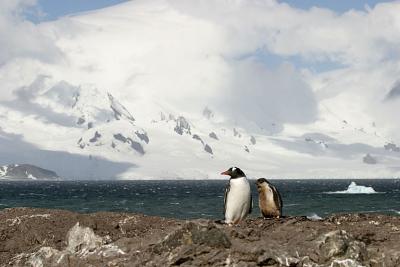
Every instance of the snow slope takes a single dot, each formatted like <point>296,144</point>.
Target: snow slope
<point>134,94</point>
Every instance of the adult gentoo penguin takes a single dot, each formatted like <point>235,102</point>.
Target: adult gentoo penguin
<point>269,199</point>
<point>237,201</point>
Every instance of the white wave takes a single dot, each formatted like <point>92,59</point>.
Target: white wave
<point>314,217</point>
<point>356,189</point>
<point>291,205</point>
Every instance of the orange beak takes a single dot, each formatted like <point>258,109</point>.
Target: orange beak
<point>225,173</point>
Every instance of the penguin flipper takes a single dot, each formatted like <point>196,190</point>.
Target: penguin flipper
<point>277,199</point>
<point>251,203</point>
<point>227,189</point>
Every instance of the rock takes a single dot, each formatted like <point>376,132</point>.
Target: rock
<point>213,135</point>
<point>208,149</point>
<point>162,116</point>
<point>40,237</point>
<point>82,239</point>
<point>368,159</point>
<point>236,133</point>
<point>194,233</point>
<point>120,137</point>
<point>182,126</point>
<point>196,137</point>
<point>133,144</point>
<point>208,113</point>
<point>96,137</point>
<point>136,146</point>
<point>118,109</point>
<point>142,135</point>
<point>81,121</point>
<point>253,140</point>
<point>392,147</point>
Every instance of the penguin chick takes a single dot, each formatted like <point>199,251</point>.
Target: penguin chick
<point>269,199</point>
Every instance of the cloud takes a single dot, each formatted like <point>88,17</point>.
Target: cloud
<point>20,38</point>
<point>269,96</point>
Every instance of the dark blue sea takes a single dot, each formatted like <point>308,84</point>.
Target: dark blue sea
<point>201,199</point>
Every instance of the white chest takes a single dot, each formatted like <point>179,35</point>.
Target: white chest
<point>238,200</point>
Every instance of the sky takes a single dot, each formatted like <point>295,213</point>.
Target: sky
<point>54,9</point>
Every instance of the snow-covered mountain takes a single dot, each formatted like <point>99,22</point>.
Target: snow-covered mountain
<point>26,171</point>
<point>129,92</point>
<point>84,132</point>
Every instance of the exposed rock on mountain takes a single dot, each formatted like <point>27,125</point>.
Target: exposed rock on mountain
<point>134,145</point>
<point>95,138</point>
<point>208,113</point>
<point>142,135</point>
<point>394,92</point>
<point>118,109</point>
<point>26,171</point>
<point>236,133</point>
<point>213,135</point>
<point>196,137</point>
<point>392,147</point>
<point>208,149</point>
<point>368,159</point>
<point>253,140</point>
<point>39,237</point>
<point>182,126</point>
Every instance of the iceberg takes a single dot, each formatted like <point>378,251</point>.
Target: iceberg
<point>356,189</point>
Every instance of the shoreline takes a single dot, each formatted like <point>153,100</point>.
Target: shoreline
<point>50,237</point>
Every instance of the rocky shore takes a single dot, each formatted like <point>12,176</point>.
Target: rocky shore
<point>42,237</point>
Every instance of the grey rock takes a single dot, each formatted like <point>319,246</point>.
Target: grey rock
<point>142,135</point>
<point>208,149</point>
<point>182,126</point>
<point>236,133</point>
<point>368,159</point>
<point>43,237</point>
<point>246,149</point>
<point>81,121</point>
<point>118,109</point>
<point>392,147</point>
<point>95,138</point>
<point>162,116</point>
<point>213,135</point>
<point>394,92</point>
<point>253,140</point>
<point>194,233</point>
<point>90,125</point>
<point>208,113</point>
<point>120,137</point>
<point>196,137</point>
<point>136,146</point>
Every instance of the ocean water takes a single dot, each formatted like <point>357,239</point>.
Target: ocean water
<point>201,199</point>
